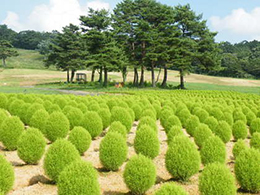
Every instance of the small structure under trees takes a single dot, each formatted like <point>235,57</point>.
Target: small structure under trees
<point>81,77</point>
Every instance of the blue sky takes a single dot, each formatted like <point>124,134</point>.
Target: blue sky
<point>235,20</point>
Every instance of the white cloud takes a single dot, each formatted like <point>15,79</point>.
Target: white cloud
<point>53,16</point>
<point>239,22</point>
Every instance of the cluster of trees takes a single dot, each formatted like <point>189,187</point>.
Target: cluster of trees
<point>138,35</point>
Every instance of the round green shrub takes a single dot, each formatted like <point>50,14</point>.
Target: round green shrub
<point>255,141</point>
<point>174,131</point>
<point>79,177</point>
<point>250,116</point>
<point>6,175</point>
<point>138,111</point>
<point>149,113</point>
<point>80,138</point>
<point>3,101</point>
<point>105,115</point>
<point>117,126</point>
<point>93,107</point>
<point>217,113</point>
<point>213,150</point>
<point>201,114</point>
<point>59,155</point>
<point>132,113</point>
<point>165,114</point>
<point>157,109</point>
<point>239,130</point>
<point>227,117</point>
<point>201,134</point>
<point>54,108</point>
<point>113,151</point>
<point>3,116</point>
<point>23,112</point>
<point>171,189</point>
<point>31,146</point>
<point>182,158</point>
<point>57,126</point>
<point>15,107</point>
<point>122,115</point>
<point>247,170</point>
<point>212,123</point>
<point>10,132</point>
<point>60,101</point>
<point>217,179</point>
<point>147,142</point>
<point>140,174</point>
<point>191,124</point>
<point>255,126</point>
<point>183,115</point>
<point>224,131</point>
<point>93,123</point>
<point>238,147</point>
<point>148,121</point>
<point>31,110</point>
<point>74,115</point>
<point>172,121</point>
<point>39,120</point>
<point>238,115</point>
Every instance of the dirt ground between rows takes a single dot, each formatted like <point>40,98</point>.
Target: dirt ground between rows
<point>31,180</point>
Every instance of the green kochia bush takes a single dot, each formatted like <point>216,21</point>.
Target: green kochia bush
<point>10,132</point>
<point>3,115</point>
<point>247,170</point>
<point>105,115</point>
<point>113,151</point>
<point>80,138</point>
<point>31,146</point>
<point>255,141</point>
<point>15,107</point>
<point>212,123</point>
<point>182,158</point>
<point>147,142</point>
<point>59,155</point>
<point>217,179</point>
<point>201,134</point>
<point>3,101</point>
<point>74,116</point>
<point>238,147</point>
<point>140,174</point>
<point>183,115</point>
<point>78,178</point>
<point>57,126</point>
<point>117,126</point>
<point>148,121</point>
<point>6,175</point>
<point>174,131</point>
<point>213,150</point>
<point>172,121</point>
<point>202,114</point>
<point>31,110</point>
<point>250,116</point>
<point>239,130</point>
<point>138,111</point>
<point>224,131</point>
<point>122,115</point>
<point>39,120</point>
<point>93,123</point>
<point>164,115</point>
<point>255,126</point>
<point>171,189</point>
<point>191,124</point>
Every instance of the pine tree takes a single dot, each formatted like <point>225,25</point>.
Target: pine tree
<point>6,51</point>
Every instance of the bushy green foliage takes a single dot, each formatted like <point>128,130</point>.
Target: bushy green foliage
<point>138,111</point>
<point>212,123</point>
<point>191,124</point>
<point>132,113</point>
<point>105,115</point>
<point>117,126</point>
<point>201,114</point>
<point>31,110</point>
<point>31,146</point>
<point>6,175</point>
<point>80,138</point>
<point>174,131</point>
<point>54,108</point>
<point>3,101</point>
<point>239,115</point>
<point>213,150</point>
<point>240,130</point>
<point>147,142</point>
<point>92,122</point>
<point>140,174</point>
<point>148,121</point>
<point>10,132</point>
<point>171,189</point>
<point>3,115</point>
<point>59,155</point>
<point>74,115</point>
<point>224,131</point>
<point>172,121</point>
<point>15,107</point>
<point>217,179</point>
<point>79,177</point>
<point>201,134</point>
<point>183,115</point>
<point>255,126</point>
<point>57,126</point>
<point>60,101</point>
<point>122,115</point>
<point>255,141</point>
<point>216,113</point>
<point>228,117</point>
<point>250,116</point>
<point>113,151</point>
<point>247,170</point>
<point>182,158</point>
<point>149,113</point>
<point>238,147</point>
<point>39,120</point>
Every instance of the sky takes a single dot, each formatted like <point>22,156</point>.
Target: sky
<point>234,20</point>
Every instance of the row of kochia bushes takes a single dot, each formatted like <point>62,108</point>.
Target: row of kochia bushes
<point>70,122</point>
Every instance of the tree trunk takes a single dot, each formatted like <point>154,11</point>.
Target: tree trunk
<point>152,74</point>
<point>142,65</point>
<point>124,74</point>
<point>4,64</point>
<point>142,77</point>
<point>136,77</point>
<point>164,83</point>
<point>72,75</point>
<point>68,75</point>
<point>100,80</point>
<point>181,79</point>
<point>158,76</point>
<point>105,77</point>
<point>93,75</point>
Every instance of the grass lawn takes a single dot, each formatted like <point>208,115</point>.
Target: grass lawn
<point>26,90</point>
